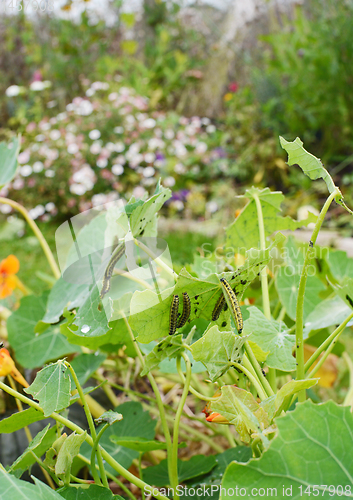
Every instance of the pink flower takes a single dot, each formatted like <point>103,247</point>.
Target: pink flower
<point>233,87</point>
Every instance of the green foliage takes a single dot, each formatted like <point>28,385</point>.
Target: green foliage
<point>8,161</point>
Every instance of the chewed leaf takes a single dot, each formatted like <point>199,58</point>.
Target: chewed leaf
<point>143,215</point>
<point>51,388</point>
<point>218,351</point>
<point>311,166</point>
<point>109,417</point>
<point>167,348</point>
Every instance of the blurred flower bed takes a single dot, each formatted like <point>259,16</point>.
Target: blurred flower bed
<point>109,145</point>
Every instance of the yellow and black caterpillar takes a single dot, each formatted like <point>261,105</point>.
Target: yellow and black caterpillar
<point>218,308</point>
<point>116,256</point>
<point>234,304</point>
<point>186,310</point>
<point>173,317</point>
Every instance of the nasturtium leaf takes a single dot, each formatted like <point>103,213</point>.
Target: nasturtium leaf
<point>274,405</point>
<point>8,160</point>
<point>150,312</point>
<point>243,233</point>
<point>39,445</point>
<point>64,295</point>
<point>345,291</point>
<point>187,469</point>
<point>136,423</point>
<point>138,444</point>
<point>68,451</point>
<point>87,492</point>
<point>144,214</point>
<point>260,355</point>
<point>340,264</point>
<point>90,320</point>
<point>214,477</point>
<point>10,487</point>
<point>33,350</point>
<point>287,287</point>
<point>313,447</point>
<point>51,388</point>
<point>171,347</point>
<point>109,417</point>
<point>85,364</point>
<point>19,420</point>
<point>169,365</point>
<point>329,312</point>
<point>271,336</point>
<point>218,351</point>
<point>239,407</point>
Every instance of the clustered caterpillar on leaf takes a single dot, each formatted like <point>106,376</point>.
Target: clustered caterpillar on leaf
<point>234,304</point>
<point>186,310</point>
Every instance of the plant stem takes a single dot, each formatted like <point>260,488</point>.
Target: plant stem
<point>90,424</point>
<point>301,291</point>
<point>262,379</point>
<point>348,400</point>
<point>37,232</point>
<point>327,342</point>
<point>93,456</point>
<point>252,379</point>
<point>156,259</point>
<point>74,427</point>
<point>191,389</point>
<point>174,461</point>
<point>140,473</point>
<point>162,413</point>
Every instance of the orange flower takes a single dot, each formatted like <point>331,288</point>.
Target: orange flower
<point>8,281</point>
<point>216,418</point>
<point>227,97</point>
<point>7,367</point>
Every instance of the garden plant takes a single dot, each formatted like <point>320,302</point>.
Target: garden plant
<point>227,335</point>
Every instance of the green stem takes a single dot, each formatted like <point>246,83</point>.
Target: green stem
<point>179,412</point>
<point>299,343</point>
<point>262,379</point>
<point>140,473</point>
<point>90,424</point>
<point>348,400</point>
<point>74,427</point>
<point>93,457</point>
<point>37,232</point>
<point>252,377</point>
<point>327,342</point>
<point>156,259</point>
<point>159,401</point>
<point>191,389</point>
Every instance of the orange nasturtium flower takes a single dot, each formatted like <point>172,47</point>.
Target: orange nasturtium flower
<point>7,367</point>
<point>8,279</point>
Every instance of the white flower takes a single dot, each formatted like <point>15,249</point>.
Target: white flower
<point>38,166</point>
<point>169,134</point>
<point>110,147</point>
<point>78,189</point>
<point>177,204</point>
<point>26,170</point>
<point>5,209</point>
<point>149,123</point>
<point>180,168</point>
<point>72,148</point>
<point>40,138</point>
<point>37,211</point>
<point>119,130</point>
<point>201,147</point>
<point>94,134</point>
<point>51,104</point>
<point>18,184</point>
<point>95,148</point>
<point>38,86</point>
<point>113,96</point>
<point>55,135</point>
<point>90,92</point>
<point>119,147</point>
<point>138,192</point>
<point>210,129</point>
<point>49,207</point>
<point>84,108</point>
<point>61,116</point>
<point>13,90</point>
<point>84,177</point>
<point>149,157</point>
<point>120,159</point>
<point>212,206</point>
<point>49,173</point>
<point>117,169</point>
<point>102,162</point>
<point>23,157</point>
<point>205,121</point>
<point>148,172</point>
<point>169,181</point>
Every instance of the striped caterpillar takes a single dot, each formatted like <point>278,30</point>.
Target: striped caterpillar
<point>233,302</point>
<point>116,256</point>
<point>173,315</point>
<point>186,310</point>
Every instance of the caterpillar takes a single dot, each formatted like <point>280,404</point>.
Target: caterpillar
<point>173,315</point>
<point>186,310</point>
<point>234,304</point>
<point>116,256</point>
<point>218,308</point>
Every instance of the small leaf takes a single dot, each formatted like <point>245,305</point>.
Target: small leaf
<point>19,420</point>
<point>144,214</point>
<point>109,417</point>
<point>240,409</point>
<point>8,160</point>
<point>68,451</point>
<point>187,469</point>
<point>171,347</point>
<point>51,388</point>
<point>271,336</point>
<point>313,446</point>
<point>218,350</point>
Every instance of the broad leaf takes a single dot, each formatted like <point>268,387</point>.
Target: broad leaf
<point>8,160</point>
<point>19,420</point>
<point>87,492</point>
<point>33,350</point>
<point>243,233</point>
<point>218,351</point>
<point>85,364</point>
<point>340,264</point>
<point>187,469</point>
<point>329,312</point>
<point>287,286</point>
<point>240,409</point>
<point>171,347</point>
<point>345,290</point>
<point>64,295</point>
<point>51,388</point>
<point>271,336</point>
<point>10,487</point>
<point>137,423</point>
<point>313,447</point>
